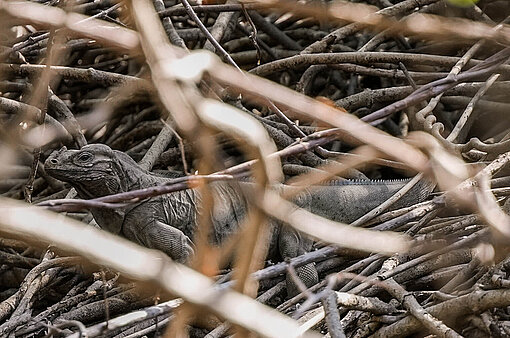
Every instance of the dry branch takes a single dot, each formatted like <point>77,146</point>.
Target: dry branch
<point>431,74</point>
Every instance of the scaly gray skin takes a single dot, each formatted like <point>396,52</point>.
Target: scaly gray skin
<point>168,222</point>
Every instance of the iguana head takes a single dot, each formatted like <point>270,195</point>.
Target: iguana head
<point>94,170</point>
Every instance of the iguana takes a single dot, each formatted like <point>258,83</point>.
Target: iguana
<point>168,222</point>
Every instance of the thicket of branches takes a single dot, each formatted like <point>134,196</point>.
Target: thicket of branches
<point>298,92</point>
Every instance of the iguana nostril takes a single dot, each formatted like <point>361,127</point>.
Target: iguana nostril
<point>53,161</point>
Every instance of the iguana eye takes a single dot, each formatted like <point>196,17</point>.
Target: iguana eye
<point>84,157</point>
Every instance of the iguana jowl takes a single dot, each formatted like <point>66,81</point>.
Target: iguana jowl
<point>168,222</point>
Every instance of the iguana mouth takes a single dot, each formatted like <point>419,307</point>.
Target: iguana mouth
<point>57,173</point>
<point>65,175</point>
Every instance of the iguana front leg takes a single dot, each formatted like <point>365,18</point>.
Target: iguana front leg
<point>160,236</point>
<point>292,244</point>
